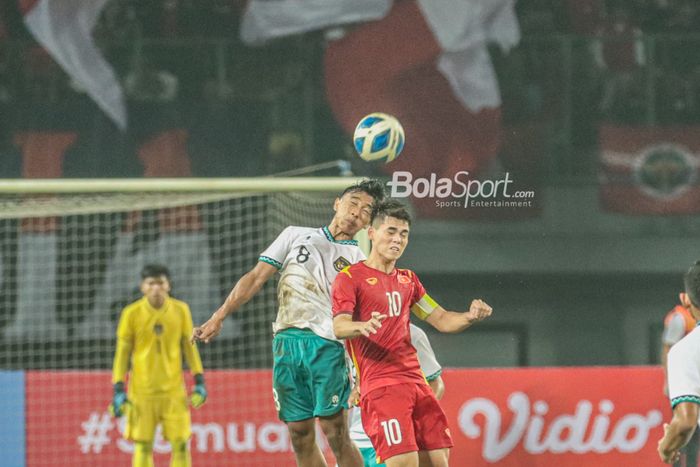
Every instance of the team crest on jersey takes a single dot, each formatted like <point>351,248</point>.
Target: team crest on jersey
<point>340,263</point>
<point>371,280</point>
<point>158,329</point>
<point>404,280</point>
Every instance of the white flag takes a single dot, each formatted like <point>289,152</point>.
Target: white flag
<point>264,19</point>
<point>463,28</point>
<point>64,29</point>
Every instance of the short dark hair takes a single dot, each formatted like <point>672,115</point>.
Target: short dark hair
<point>389,208</point>
<point>154,270</point>
<point>371,186</point>
<point>691,281</point>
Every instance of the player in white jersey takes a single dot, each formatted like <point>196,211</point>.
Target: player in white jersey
<point>308,260</point>
<point>683,369</point>
<point>432,371</point>
<point>310,376</point>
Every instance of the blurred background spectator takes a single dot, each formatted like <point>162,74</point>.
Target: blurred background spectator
<point>182,66</point>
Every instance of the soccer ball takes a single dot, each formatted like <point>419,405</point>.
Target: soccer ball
<point>378,136</point>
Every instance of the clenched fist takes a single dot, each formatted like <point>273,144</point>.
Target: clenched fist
<point>479,310</point>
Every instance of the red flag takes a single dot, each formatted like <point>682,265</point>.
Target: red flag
<point>650,170</point>
<point>390,66</point>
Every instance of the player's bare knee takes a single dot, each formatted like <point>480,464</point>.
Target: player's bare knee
<point>437,458</point>
<point>439,463</point>
<point>302,435</point>
<point>335,428</point>
<point>336,440</point>
<point>338,425</point>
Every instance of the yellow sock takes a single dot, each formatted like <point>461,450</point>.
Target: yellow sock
<point>180,456</point>
<point>143,454</point>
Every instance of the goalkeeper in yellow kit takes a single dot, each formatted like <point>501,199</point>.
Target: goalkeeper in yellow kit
<point>153,334</point>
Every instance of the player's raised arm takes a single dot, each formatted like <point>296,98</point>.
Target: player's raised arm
<point>245,289</point>
<point>429,310</point>
<point>451,321</point>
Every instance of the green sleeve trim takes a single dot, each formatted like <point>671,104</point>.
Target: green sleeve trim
<point>434,376</point>
<point>330,238</point>
<point>268,260</point>
<point>678,400</point>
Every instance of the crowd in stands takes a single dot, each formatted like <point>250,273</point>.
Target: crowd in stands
<point>187,80</point>
<point>639,61</point>
<point>183,67</point>
<point>586,17</point>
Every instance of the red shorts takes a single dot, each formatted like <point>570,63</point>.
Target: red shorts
<point>404,418</point>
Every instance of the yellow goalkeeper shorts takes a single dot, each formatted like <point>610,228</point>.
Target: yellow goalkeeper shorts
<point>169,410</point>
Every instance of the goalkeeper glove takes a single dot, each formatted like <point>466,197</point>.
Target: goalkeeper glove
<point>119,401</point>
<point>199,394</point>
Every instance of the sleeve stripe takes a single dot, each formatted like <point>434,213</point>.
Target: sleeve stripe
<point>268,260</point>
<point>434,376</point>
<point>423,307</point>
<point>687,398</point>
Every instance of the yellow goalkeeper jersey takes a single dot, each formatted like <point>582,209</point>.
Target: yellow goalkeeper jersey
<point>154,341</point>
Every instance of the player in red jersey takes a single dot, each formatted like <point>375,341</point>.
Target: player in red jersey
<point>371,303</point>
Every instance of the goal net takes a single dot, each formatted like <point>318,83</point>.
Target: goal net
<point>70,257</point>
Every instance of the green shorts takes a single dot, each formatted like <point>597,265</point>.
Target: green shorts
<point>370,457</point>
<point>309,375</point>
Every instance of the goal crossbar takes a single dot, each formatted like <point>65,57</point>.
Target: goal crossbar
<point>191,185</point>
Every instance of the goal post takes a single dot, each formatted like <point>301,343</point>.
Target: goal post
<point>70,256</point>
<point>23,198</point>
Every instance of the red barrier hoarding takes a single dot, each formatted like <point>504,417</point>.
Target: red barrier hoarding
<point>564,417</point>
<point>568,417</point>
<point>67,419</point>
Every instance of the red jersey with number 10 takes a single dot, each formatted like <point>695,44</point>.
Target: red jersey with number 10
<point>387,357</point>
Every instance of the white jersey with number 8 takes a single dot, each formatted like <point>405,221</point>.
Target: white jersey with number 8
<point>308,260</point>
